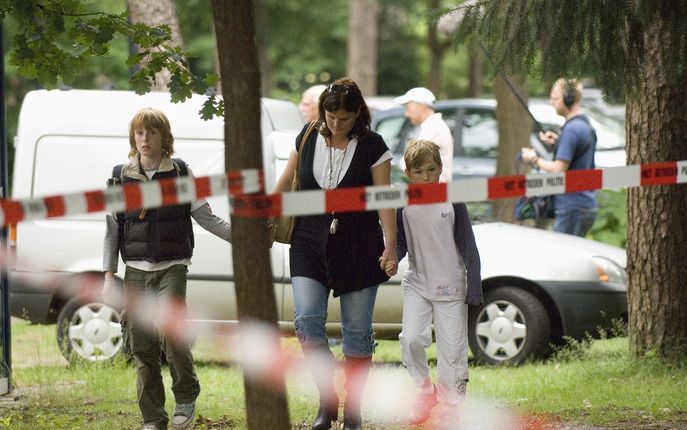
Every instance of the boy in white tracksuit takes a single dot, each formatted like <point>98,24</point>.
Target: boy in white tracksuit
<point>442,279</point>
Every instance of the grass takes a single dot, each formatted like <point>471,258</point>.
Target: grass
<point>591,383</point>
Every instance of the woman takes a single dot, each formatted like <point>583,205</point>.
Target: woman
<point>342,252</point>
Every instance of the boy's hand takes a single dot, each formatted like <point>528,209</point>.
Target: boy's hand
<point>111,293</point>
<point>391,268</point>
<point>388,262</point>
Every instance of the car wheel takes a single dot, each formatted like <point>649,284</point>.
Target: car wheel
<point>510,327</point>
<point>89,331</point>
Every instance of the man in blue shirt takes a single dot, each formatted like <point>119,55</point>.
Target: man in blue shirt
<point>574,212</point>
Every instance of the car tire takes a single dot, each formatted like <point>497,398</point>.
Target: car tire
<point>89,331</point>
<point>511,327</point>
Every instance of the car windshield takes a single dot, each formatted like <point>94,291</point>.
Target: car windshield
<point>610,133</point>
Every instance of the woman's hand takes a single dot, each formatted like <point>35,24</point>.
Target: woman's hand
<point>388,262</point>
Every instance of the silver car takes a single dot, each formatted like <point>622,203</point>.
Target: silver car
<point>475,133</point>
<point>539,287</point>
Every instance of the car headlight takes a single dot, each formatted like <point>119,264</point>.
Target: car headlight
<point>609,270</point>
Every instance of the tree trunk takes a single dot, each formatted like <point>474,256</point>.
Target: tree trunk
<point>266,405</point>
<point>475,71</point>
<point>437,49</point>
<point>656,128</point>
<point>262,38</point>
<point>515,127</point>
<point>362,45</point>
<point>155,13</point>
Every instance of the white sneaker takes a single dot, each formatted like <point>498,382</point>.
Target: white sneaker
<point>149,427</point>
<point>184,413</point>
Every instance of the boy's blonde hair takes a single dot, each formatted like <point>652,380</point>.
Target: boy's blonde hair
<point>418,151</point>
<point>150,118</point>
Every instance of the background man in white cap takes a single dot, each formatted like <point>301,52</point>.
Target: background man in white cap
<point>309,101</point>
<point>418,102</point>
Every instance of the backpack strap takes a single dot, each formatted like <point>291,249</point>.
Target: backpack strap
<point>180,166</point>
<point>116,178</point>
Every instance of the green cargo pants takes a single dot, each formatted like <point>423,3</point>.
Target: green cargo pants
<point>144,291</point>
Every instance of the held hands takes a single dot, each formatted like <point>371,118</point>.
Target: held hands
<point>388,262</point>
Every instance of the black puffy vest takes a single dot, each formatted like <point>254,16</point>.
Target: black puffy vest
<point>160,234</point>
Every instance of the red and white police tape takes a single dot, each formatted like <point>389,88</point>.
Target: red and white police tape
<point>245,188</point>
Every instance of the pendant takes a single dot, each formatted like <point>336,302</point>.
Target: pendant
<point>333,226</point>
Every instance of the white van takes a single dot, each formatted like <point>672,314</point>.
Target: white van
<point>68,141</point>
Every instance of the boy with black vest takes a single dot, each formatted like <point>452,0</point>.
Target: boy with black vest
<point>156,245</point>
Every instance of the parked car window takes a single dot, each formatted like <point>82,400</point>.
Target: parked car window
<point>479,135</point>
<point>610,132</point>
<point>391,131</point>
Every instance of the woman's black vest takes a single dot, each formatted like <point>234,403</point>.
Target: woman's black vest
<point>160,234</point>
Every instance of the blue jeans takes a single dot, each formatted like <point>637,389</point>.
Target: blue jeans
<point>310,299</point>
<point>574,221</point>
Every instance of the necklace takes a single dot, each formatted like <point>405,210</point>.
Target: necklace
<point>332,180</point>
<point>331,184</point>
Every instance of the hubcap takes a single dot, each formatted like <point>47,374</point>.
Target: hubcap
<point>501,330</point>
<point>95,332</point>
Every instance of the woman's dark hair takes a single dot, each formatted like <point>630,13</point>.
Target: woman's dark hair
<point>344,94</point>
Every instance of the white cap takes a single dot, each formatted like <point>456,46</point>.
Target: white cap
<point>418,94</point>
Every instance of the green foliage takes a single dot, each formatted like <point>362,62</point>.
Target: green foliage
<point>212,106</point>
<point>580,349</point>
<point>56,40</point>
<point>401,64</point>
<point>596,38</point>
<point>304,42</point>
<point>610,225</point>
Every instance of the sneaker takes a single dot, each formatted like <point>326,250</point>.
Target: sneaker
<point>462,389</point>
<point>149,427</point>
<point>422,407</point>
<point>184,413</point>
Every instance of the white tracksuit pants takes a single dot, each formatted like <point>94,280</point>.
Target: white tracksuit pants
<point>450,327</point>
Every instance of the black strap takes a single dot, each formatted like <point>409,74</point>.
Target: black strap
<point>181,167</point>
<point>311,127</point>
<point>116,178</point>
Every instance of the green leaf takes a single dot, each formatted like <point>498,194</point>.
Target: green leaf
<point>211,79</point>
<point>212,107</point>
<point>140,82</point>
